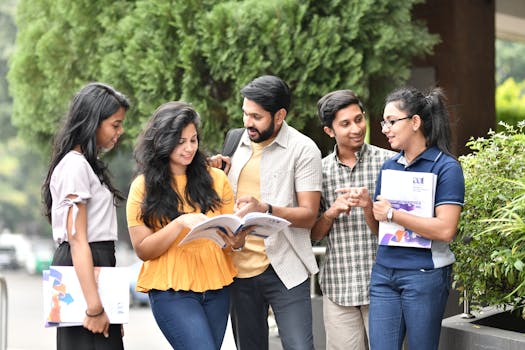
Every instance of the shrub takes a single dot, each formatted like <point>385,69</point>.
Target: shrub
<point>508,262</point>
<point>490,239</point>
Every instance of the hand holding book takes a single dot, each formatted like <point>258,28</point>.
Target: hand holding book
<point>263,225</point>
<point>234,240</point>
<point>190,220</point>
<point>64,302</point>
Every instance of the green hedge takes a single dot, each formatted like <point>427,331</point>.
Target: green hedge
<point>204,51</point>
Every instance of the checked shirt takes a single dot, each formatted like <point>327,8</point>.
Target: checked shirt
<point>351,246</point>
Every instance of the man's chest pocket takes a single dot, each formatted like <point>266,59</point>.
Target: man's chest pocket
<point>278,187</point>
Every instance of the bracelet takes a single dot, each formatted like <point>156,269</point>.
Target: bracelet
<point>237,249</point>
<point>95,315</point>
<point>390,214</point>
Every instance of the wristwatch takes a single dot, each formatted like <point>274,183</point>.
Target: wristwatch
<point>389,214</point>
<point>270,208</point>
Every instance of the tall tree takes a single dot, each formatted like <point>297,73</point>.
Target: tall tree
<point>7,41</point>
<point>204,51</point>
<point>20,166</point>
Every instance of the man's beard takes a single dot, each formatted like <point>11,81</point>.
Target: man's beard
<point>266,133</point>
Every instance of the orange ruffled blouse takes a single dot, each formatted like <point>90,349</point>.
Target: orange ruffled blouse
<point>199,265</point>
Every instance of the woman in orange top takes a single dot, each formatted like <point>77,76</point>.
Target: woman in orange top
<point>175,189</point>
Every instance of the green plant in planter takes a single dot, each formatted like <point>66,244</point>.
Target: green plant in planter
<point>489,247</point>
<point>509,262</point>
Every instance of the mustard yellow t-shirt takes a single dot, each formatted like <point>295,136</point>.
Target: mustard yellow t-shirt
<point>199,265</point>
<point>252,260</point>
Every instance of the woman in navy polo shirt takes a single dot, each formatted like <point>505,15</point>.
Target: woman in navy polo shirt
<point>410,286</point>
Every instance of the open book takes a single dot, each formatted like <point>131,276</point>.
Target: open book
<point>64,303</point>
<point>412,192</point>
<point>264,226</point>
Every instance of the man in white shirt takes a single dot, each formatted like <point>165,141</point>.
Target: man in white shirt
<point>275,169</point>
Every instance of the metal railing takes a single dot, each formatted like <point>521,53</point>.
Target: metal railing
<point>319,252</point>
<point>466,306</point>
<point>3,313</point>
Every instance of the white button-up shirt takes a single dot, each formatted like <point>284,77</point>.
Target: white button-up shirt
<point>290,164</point>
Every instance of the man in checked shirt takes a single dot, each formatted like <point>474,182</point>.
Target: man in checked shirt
<point>353,166</point>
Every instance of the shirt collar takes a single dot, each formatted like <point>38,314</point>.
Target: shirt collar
<point>358,155</point>
<point>281,138</point>
<point>431,154</point>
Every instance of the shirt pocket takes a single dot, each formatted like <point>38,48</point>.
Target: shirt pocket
<point>278,187</point>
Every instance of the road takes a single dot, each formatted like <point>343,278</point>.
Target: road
<point>25,318</point>
<point>25,330</point>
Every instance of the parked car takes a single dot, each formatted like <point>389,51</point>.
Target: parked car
<point>8,257</point>
<point>40,256</point>
<point>136,298</point>
<point>20,243</point>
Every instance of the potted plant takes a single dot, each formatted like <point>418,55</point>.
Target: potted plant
<point>490,247</point>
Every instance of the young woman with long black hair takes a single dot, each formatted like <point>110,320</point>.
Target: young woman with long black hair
<point>176,189</point>
<point>79,201</point>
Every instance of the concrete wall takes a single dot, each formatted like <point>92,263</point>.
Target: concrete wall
<point>474,334</point>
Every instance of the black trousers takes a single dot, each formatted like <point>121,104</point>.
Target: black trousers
<point>79,338</point>
<point>250,299</point>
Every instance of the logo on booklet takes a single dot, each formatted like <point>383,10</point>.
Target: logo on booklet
<point>417,180</point>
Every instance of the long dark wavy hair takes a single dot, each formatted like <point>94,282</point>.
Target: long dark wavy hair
<point>94,103</point>
<point>152,153</point>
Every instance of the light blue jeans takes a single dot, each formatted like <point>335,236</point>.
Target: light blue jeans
<point>410,302</point>
<point>191,320</point>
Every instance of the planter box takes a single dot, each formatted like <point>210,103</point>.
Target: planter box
<point>491,329</point>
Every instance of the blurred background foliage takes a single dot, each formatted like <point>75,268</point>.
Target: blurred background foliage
<point>203,52</point>
<point>510,82</point>
<point>21,164</point>
<point>509,61</point>
<point>510,101</point>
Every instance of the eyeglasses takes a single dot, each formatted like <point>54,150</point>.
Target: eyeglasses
<point>389,123</point>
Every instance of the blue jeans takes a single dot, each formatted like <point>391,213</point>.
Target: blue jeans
<point>292,309</point>
<point>191,320</point>
<point>407,301</point>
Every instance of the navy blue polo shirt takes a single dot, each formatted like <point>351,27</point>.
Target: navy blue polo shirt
<point>450,189</point>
